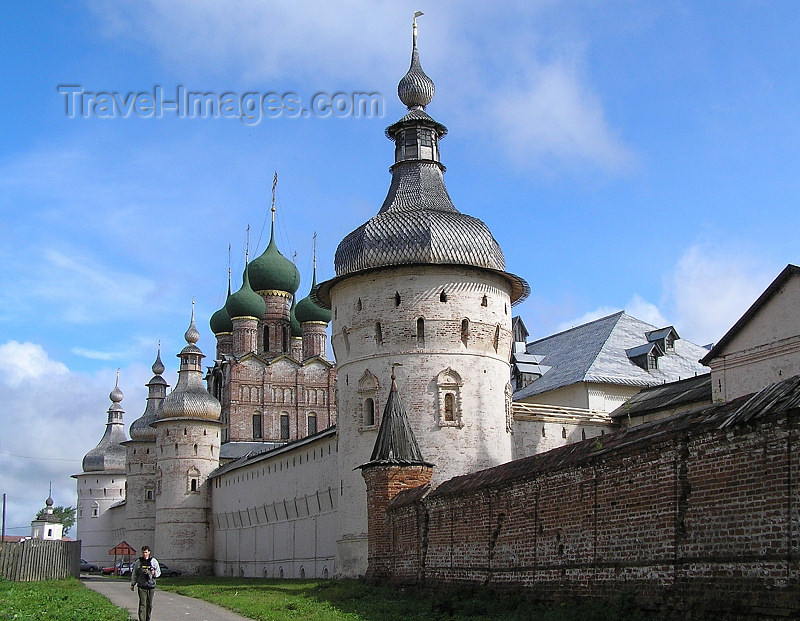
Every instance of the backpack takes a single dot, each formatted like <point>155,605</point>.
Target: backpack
<point>143,577</point>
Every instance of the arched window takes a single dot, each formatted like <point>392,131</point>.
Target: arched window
<point>359,305</point>
<point>396,298</point>
<point>448,386</point>
<point>266,339</point>
<point>443,296</point>
<point>284,426</point>
<point>465,331</point>
<point>95,509</point>
<point>484,301</point>
<point>378,333</point>
<point>368,393</point>
<point>420,332</point>
<point>257,428</point>
<point>312,424</point>
<point>193,479</point>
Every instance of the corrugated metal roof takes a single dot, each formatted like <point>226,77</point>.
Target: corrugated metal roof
<point>595,352</point>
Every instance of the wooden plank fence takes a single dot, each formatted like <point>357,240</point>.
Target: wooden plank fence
<point>38,559</point>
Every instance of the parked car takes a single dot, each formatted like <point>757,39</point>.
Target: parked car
<point>86,566</point>
<point>120,569</point>
<point>167,571</point>
<point>125,569</point>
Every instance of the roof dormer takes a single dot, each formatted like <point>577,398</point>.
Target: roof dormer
<point>665,337</point>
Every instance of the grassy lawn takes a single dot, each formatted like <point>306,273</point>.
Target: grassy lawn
<point>350,600</point>
<point>62,600</point>
<point>309,600</point>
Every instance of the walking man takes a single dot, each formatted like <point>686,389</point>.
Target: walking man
<point>143,574</point>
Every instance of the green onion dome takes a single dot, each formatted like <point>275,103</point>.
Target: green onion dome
<point>220,321</point>
<point>245,302</point>
<point>271,271</point>
<point>297,329</point>
<point>308,310</point>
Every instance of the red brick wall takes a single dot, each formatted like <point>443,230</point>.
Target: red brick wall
<point>384,482</point>
<point>695,520</point>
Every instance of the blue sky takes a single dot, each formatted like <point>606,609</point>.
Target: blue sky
<point>627,155</point>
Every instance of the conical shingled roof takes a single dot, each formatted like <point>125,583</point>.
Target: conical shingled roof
<point>417,223</point>
<point>110,454</point>
<point>190,398</point>
<point>141,428</point>
<point>396,443</point>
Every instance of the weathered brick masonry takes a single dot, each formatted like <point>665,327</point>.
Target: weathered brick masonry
<point>692,514</point>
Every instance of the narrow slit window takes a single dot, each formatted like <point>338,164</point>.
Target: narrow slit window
<point>496,340</point>
<point>465,331</point>
<point>396,298</point>
<point>443,296</point>
<point>284,426</point>
<point>378,333</point>
<point>449,407</point>
<point>420,332</point>
<point>369,412</point>
<point>484,301</point>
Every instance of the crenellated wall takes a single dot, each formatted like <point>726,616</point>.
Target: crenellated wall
<point>690,517</point>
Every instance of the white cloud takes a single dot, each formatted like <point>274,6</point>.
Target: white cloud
<point>549,114</point>
<point>27,361</point>
<point>646,311</point>
<point>709,289</point>
<point>51,417</point>
<point>543,115</point>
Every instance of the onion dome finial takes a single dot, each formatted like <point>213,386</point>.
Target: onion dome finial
<point>158,366</point>
<point>220,321</point>
<point>415,89</point>
<point>116,394</point>
<point>192,335</point>
<point>271,271</point>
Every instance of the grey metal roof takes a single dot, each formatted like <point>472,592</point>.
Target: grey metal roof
<point>395,443</point>
<point>661,333</point>
<point>110,454</point>
<point>595,352</point>
<point>417,223</point>
<point>671,395</point>
<point>141,428</point>
<point>640,350</point>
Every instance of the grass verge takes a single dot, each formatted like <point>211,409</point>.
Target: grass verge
<point>351,600</point>
<point>64,600</point>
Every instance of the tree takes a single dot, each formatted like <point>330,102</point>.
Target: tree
<point>65,515</point>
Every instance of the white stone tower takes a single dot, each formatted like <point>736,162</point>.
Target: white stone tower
<point>140,507</point>
<point>101,485</point>
<point>423,286</point>
<point>187,451</point>
<point>48,526</point>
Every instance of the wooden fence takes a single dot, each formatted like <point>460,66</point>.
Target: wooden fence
<point>37,559</point>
